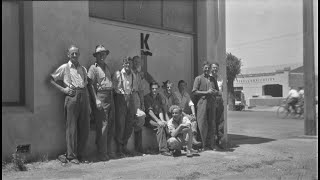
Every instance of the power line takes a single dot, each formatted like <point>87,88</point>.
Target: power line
<point>266,39</point>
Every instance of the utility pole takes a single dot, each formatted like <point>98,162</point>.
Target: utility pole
<point>308,68</point>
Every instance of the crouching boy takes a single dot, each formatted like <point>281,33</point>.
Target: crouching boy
<point>180,129</point>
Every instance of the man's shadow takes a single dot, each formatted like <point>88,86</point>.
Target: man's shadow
<point>235,140</point>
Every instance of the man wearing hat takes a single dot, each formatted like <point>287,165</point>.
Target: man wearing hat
<point>101,91</point>
<point>76,106</point>
<point>124,86</point>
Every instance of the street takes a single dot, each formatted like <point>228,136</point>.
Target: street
<point>262,147</point>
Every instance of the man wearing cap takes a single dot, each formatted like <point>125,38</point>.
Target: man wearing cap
<point>76,106</point>
<point>123,81</point>
<point>101,91</point>
<point>138,100</point>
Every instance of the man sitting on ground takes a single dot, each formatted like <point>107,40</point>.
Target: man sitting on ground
<point>181,132</point>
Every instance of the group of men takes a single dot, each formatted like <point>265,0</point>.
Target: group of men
<point>119,106</point>
<point>295,98</point>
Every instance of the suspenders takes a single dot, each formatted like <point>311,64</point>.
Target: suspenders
<point>69,76</point>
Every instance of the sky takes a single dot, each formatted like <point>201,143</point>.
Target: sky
<point>267,32</point>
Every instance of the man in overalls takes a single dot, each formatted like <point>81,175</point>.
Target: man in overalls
<point>204,91</point>
<point>76,106</point>
<point>101,91</point>
<point>123,85</point>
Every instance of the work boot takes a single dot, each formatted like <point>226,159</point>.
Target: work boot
<point>194,140</point>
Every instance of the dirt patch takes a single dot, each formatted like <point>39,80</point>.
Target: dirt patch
<point>194,175</point>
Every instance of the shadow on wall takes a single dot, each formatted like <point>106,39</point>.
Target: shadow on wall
<point>236,140</point>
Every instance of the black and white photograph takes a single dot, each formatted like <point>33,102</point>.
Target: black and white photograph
<point>160,89</point>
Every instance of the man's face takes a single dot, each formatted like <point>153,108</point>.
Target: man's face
<point>74,55</point>
<point>214,69</point>
<point>176,114</point>
<point>154,89</point>
<point>169,88</point>
<point>101,56</point>
<point>137,64</point>
<point>206,69</point>
<point>127,66</point>
<point>182,87</point>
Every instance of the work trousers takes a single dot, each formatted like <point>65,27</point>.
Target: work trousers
<point>161,134</point>
<point>104,121</point>
<point>78,122</point>
<point>138,122</point>
<point>124,108</point>
<point>219,119</point>
<point>206,120</point>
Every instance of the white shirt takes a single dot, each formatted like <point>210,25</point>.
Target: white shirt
<point>293,93</point>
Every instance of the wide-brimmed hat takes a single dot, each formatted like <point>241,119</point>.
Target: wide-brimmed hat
<point>100,48</point>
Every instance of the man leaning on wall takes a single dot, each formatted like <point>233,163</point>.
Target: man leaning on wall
<point>101,91</point>
<point>76,105</point>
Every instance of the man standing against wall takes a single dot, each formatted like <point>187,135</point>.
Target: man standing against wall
<point>204,91</point>
<point>101,91</point>
<point>76,106</point>
<point>188,110</point>
<point>123,81</point>
<point>169,98</point>
<point>138,100</point>
<point>219,119</point>
<point>155,117</point>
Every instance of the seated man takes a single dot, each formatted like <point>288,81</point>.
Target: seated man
<point>155,117</point>
<point>180,130</point>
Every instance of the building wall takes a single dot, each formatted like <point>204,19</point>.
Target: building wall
<point>253,86</point>
<point>50,28</point>
<point>41,122</point>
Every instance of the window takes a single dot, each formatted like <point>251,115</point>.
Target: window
<point>12,54</point>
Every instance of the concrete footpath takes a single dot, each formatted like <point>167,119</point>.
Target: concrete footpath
<point>261,147</point>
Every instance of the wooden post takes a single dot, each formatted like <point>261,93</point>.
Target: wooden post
<point>308,65</point>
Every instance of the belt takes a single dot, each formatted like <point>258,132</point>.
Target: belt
<point>78,88</point>
<point>106,89</point>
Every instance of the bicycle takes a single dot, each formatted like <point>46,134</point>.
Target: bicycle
<point>285,110</point>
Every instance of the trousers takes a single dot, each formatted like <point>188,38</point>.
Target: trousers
<point>219,119</point>
<point>206,120</point>
<point>104,121</point>
<point>76,111</point>
<point>161,134</point>
<point>124,118</point>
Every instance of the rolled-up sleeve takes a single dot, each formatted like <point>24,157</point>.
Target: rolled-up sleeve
<point>58,74</point>
<point>91,73</point>
<point>196,84</point>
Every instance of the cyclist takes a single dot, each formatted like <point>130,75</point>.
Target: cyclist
<point>293,99</point>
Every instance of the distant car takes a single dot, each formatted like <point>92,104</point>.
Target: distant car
<point>239,106</point>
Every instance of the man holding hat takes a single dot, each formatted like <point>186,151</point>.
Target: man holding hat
<point>101,91</point>
<point>123,81</point>
<point>76,106</point>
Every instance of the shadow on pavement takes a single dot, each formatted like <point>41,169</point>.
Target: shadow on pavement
<point>236,140</point>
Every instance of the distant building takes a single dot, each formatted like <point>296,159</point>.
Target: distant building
<point>270,81</point>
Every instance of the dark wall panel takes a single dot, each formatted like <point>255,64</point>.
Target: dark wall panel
<point>143,12</point>
<point>178,15</point>
<point>111,9</point>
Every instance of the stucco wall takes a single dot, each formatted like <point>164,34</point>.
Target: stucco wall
<point>44,128</point>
